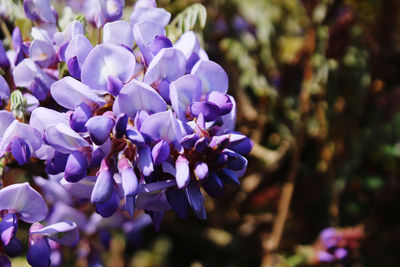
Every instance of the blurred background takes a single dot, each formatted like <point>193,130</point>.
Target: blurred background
<point>317,86</point>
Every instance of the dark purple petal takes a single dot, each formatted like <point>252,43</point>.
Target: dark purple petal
<point>178,201</point>
<point>183,92</point>
<point>106,60</point>
<point>188,141</point>
<point>182,172</point>
<point>236,161</point>
<point>201,170</point>
<point>118,33</point>
<point>130,184</point>
<point>4,261</point>
<point>228,177</point>
<point>159,43</point>
<point>13,249</point>
<point>24,200</point>
<point>75,168</point>
<point>114,85</point>
<point>210,110</point>
<point>195,199</point>
<point>39,253</point>
<point>138,96</point>
<point>221,100</point>
<point>109,207</point>
<point>135,137</point>
<point>213,185</point>
<point>65,233</point>
<point>201,145</point>
<point>99,128</point>
<point>145,160</point>
<point>243,148</point>
<point>121,124</point>
<point>160,152</point>
<point>74,68</point>
<point>212,75</point>
<point>57,164</point>
<point>8,227</point>
<point>39,89</point>
<point>157,218</point>
<point>20,150</point>
<point>81,115</point>
<point>152,201</point>
<point>4,62</point>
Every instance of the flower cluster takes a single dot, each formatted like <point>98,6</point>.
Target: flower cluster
<point>132,123</point>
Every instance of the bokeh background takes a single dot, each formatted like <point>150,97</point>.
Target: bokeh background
<point>317,85</point>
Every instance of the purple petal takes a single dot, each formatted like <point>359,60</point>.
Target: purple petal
<point>178,201</point>
<point>75,168</point>
<point>99,128</point>
<point>236,161</point>
<point>4,62</point>
<point>39,10</point>
<point>169,64</point>
<point>13,249</point>
<point>109,207</point>
<point>42,52</point>
<point>64,233</point>
<point>16,129</point>
<point>212,75</point>
<point>39,89</point>
<point>52,190</point>
<point>183,92</point>
<point>118,33</point>
<point>39,253</point>
<point>341,253</point>
<point>182,172</point>
<point>195,199</point>
<point>6,118</point>
<point>114,85</point>
<point>159,43</point>
<point>63,139</point>
<point>24,200</point>
<point>145,160</point>
<point>57,163</point>
<point>136,96</point>
<point>243,148</point>
<point>4,89</point>
<point>42,117</point>
<point>69,93</point>
<point>26,72</point>
<point>213,185</point>
<point>141,13</point>
<point>325,256</point>
<point>144,33</point>
<point>156,186</point>
<point>135,137</point>
<point>201,170</point>
<point>81,115</point>
<point>121,124</point>
<point>129,184</point>
<point>104,185</point>
<point>188,44</point>
<point>160,152</point>
<point>152,201</point>
<point>222,101</point>
<point>8,227</point>
<point>201,145</point>
<point>162,125</point>
<point>20,151</point>
<point>227,176</point>
<point>228,120</point>
<point>107,60</point>
<point>209,110</point>
<point>112,9</point>
<point>82,189</point>
<point>78,47</point>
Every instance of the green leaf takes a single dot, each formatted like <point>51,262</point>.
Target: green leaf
<point>192,18</point>
<point>18,103</point>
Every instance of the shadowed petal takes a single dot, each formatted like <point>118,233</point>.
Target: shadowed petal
<point>195,199</point>
<point>103,187</point>
<point>213,185</point>
<point>145,160</point>
<point>20,151</point>
<point>65,233</point>
<point>99,128</point>
<point>160,152</point>
<point>4,89</point>
<point>109,207</point>
<point>82,189</point>
<point>24,200</point>
<point>75,168</point>
<point>8,227</point>
<point>63,139</point>
<point>178,201</point>
<point>39,253</point>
